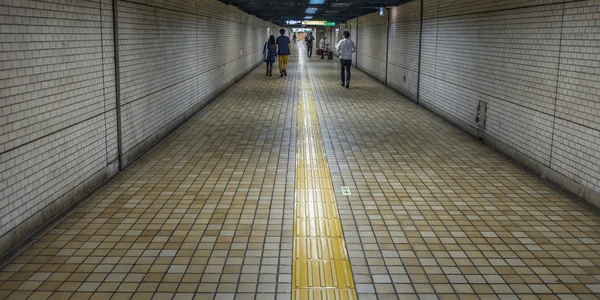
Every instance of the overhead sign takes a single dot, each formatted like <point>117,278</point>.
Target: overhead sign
<point>293,22</point>
<point>330,24</point>
<point>301,30</point>
<point>315,23</point>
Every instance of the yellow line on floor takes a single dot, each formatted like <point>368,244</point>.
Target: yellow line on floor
<point>320,267</point>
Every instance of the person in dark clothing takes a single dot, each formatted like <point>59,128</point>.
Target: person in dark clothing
<point>270,53</point>
<point>283,51</point>
<point>309,44</point>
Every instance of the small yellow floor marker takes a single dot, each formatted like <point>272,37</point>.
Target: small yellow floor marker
<point>320,267</point>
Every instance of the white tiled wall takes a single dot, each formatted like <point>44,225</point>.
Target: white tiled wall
<point>535,63</point>
<point>372,44</point>
<point>576,144</point>
<point>175,55</point>
<point>403,48</point>
<point>352,27</point>
<point>55,95</point>
<point>58,114</point>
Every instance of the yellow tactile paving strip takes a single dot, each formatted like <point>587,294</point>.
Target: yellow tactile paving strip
<point>320,267</point>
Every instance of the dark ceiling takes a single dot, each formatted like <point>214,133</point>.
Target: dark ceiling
<point>278,11</point>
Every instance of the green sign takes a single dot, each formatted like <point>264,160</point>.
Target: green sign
<point>346,191</point>
<point>330,23</point>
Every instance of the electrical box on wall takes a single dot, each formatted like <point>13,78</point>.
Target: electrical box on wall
<point>480,116</point>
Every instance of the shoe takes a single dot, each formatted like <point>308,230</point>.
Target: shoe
<point>348,84</point>
<point>285,73</point>
<point>281,75</point>
<point>342,84</point>
<point>270,74</point>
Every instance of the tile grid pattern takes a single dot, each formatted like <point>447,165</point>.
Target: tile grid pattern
<point>53,87</point>
<point>403,52</point>
<point>435,215</point>
<point>371,42</point>
<point>207,214</point>
<point>179,52</point>
<point>535,64</point>
<point>58,127</point>
<point>320,267</point>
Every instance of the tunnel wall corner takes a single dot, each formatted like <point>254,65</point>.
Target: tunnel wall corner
<point>528,68</point>
<point>88,86</point>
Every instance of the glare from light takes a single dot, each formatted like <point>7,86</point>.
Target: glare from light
<point>311,10</point>
<point>308,17</point>
<point>316,2</point>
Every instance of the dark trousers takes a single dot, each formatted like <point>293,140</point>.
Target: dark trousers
<point>346,64</point>
<point>309,50</point>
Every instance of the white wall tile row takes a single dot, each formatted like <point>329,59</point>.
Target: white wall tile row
<point>372,44</point>
<point>54,91</point>
<point>58,113</point>
<point>175,56</point>
<point>352,27</point>
<point>535,63</point>
<point>403,52</point>
<point>577,128</point>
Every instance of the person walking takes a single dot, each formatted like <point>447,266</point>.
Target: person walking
<point>270,53</point>
<point>309,44</point>
<point>322,47</point>
<point>283,50</point>
<point>346,48</point>
<point>294,38</point>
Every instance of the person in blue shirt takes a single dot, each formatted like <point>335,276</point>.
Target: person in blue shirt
<point>283,51</point>
<point>270,53</point>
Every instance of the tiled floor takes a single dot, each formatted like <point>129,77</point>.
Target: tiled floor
<point>434,214</point>
<point>209,213</point>
<point>321,267</point>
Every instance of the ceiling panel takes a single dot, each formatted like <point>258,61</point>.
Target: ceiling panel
<point>278,11</point>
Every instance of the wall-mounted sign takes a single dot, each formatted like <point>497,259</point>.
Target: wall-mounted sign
<point>330,24</point>
<point>301,30</point>
<point>292,22</point>
<point>315,23</point>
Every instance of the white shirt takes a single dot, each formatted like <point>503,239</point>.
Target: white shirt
<point>345,48</point>
<point>322,44</point>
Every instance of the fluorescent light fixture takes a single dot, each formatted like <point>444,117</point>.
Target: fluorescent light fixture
<point>316,2</point>
<point>311,10</point>
<point>308,17</point>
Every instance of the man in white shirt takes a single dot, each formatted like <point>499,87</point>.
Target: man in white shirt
<point>346,48</point>
<point>322,47</point>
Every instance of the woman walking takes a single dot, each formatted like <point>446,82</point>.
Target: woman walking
<point>270,51</point>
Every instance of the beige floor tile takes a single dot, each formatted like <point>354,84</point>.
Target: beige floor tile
<point>210,209</point>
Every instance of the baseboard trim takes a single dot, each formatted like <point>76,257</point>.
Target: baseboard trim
<point>576,191</point>
<point>19,238</point>
<point>150,142</point>
<point>28,231</point>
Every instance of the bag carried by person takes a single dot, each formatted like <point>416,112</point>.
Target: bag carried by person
<point>319,51</point>
<point>265,51</point>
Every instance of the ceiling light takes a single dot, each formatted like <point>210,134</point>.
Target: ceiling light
<point>308,17</point>
<point>311,10</point>
<point>316,2</point>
